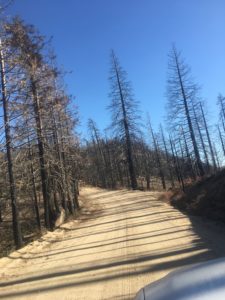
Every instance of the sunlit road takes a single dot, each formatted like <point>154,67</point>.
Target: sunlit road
<point>122,241</point>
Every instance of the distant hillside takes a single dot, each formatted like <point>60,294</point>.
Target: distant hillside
<point>205,198</point>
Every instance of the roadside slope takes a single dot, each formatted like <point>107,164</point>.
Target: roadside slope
<point>122,241</point>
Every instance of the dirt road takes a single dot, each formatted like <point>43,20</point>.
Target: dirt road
<point>122,241</point>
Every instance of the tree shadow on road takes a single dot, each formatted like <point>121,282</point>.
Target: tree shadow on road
<point>154,244</point>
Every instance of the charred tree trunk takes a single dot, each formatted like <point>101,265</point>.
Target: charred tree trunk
<point>61,165</point>
<point>36,208</point>
<point>221,140</point>
<point>110,165</point>
<point>201,139</point>
<point>15,214</point>
<point>208,138</point>
<point>161,173</point>
<point>187,112</point>
<point>40,139</point>
<point>129,153</point>
<point>167,158</point>
<point>176,164</point>
<point>188,155</point>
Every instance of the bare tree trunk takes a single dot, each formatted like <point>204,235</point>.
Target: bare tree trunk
<point>161,174</point>
<point>167,157</point>
<point>120,173</point>
<point>179,167</point>
<point>129,153</point>
<point>216,157</point>
<point>188,155</point>
<point>33,185</point>
<point>176,164</point>
<point>61,165</point>
<point>222,108</point>
<point>221,140</point>
<point>110,165</point>
<point>64,161</point>
<point>15,214</point>
<point>208,138</point>
<point>40,139</point>
<point>199,163</point>
<point>97,139</point>
<point>201,139</point>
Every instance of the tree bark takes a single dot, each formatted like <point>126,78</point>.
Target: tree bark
<point>129,153</point>
<point>40,139</point>
<point>208,138</point>
<point>187,112</point>
<point>15,214</point>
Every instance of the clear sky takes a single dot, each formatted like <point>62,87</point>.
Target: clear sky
<point>141,33</point>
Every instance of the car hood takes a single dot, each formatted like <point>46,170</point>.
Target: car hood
<point>201,281</point>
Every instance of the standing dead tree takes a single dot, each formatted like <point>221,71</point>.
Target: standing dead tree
<point>39,142</point>
<point>124,110</point>
<point>8,140</point>
<point>181,93</point>
<point>157,155</point>
<point>206,128</point>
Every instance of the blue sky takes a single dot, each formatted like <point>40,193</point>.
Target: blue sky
<point>141,33</point>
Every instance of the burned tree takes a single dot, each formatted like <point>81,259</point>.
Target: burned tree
<point>157,155</point>
<point>181,93</point>
<point>124,110</point>
<point>8,141</point>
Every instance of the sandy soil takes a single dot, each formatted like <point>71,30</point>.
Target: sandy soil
<point>122,241</point>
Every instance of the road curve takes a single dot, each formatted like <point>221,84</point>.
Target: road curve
<point>121,241</point>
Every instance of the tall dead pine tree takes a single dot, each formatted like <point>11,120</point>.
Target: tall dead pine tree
<point>181,93</point>
<point>157,155</point>
<point>15,214</point>
<point>124,113</point>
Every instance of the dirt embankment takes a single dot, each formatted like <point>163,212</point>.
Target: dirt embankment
<point>122,241</point>
<point>205,198</point>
